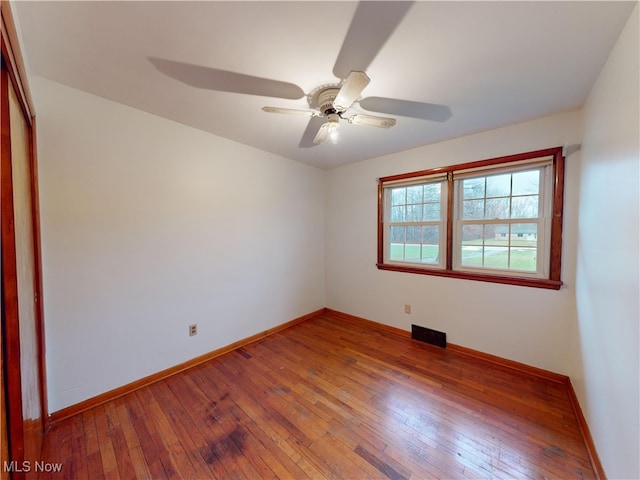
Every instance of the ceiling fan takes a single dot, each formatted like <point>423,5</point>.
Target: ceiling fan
<point>332,103</point>
<point>372,25</point>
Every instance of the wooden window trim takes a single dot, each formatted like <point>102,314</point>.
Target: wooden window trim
<point>555,255</point>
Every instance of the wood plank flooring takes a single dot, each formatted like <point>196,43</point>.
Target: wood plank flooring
<point>329,398</point>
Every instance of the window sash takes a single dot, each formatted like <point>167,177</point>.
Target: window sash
<point>519,165</point>
<point>541,220</point>
<point>539,272</point>
<point>441,223</point>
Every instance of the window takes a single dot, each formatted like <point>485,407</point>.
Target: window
<point>497,220</point>
<point>416,224</point>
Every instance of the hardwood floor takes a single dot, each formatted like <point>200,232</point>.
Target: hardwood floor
<point>330,398</point>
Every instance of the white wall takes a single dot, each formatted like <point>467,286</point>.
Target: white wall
<point>528,325</point>
<point>149,226</point>
<point>604,363</point>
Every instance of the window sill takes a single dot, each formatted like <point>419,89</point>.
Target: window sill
<point>507,280</point>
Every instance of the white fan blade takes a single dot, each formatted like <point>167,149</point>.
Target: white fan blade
<point>371,121</point>
<point>322,134</point>
<point>406,108</point>
<point>290,111</point>
<point>351,89</point>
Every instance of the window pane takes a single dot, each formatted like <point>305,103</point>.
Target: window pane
<point>414,234</point>
<point>496,257</point>
<point>430,254</point>
<point>472,234</point>
<point>431,212</point>
<point>412,252</point>
<point>524,243</point>
<point>473,188</point>
<point>398,196</point>
<point>414,194</point>
<point>496,234</point>
<point>471,245</point>
<point>524,234</point>
<point>525,207</point>
<point>495,253</point>
<point>526,183</point>
<point>414,213</point>
<point>432,192</point>
<point>499,185</point>
<point>472,209</point>
<point>397,234</point>
<point>497,208</point>
<point>430,244</point>
<point>397,251</point>
<point>431,234</point>
<point>524,259</point>
<point>397,214</point>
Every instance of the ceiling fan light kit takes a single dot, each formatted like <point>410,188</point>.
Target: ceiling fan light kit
<point>330,129</point>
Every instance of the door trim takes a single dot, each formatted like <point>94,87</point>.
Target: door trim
<point>14,73</point>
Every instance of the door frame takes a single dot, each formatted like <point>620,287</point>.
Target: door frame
<point>13,72</point>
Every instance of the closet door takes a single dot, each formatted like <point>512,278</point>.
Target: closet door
<point>22,326</point>
<point>4,431</point>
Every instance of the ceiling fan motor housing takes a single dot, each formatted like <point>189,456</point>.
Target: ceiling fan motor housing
<point>325,100</point>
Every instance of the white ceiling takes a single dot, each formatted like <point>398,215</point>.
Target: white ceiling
<point>482,64</point>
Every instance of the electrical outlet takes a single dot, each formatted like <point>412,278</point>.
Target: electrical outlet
<point>193,329</point>
<point>407,309</point>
